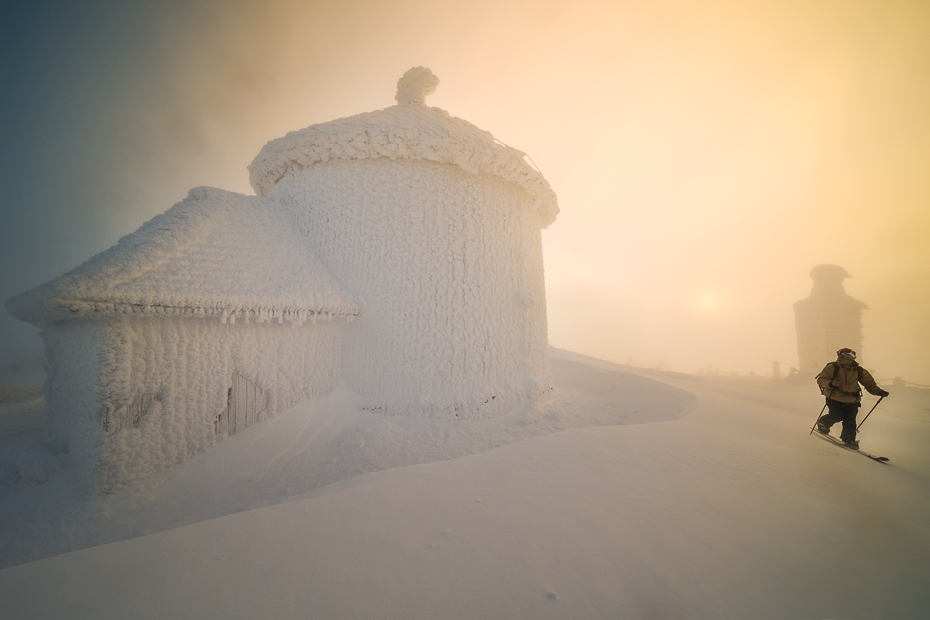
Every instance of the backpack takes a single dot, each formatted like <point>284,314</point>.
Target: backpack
<point>836,369</point>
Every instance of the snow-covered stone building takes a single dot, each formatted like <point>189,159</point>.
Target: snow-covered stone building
<point>208,318</point>
<point>398,251</point>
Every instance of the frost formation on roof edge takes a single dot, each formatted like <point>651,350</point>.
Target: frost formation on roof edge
<point>408,130</point>
<point>166,267</point>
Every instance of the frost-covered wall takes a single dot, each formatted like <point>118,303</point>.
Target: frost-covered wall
<point>74,363</point>
<point>449,263</point>
<point>436,225</point>
<point>398,250</point>
<point>210,317</point>
<point>135,396</point>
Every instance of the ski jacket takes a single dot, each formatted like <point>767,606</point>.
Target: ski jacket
<point>848,379</point>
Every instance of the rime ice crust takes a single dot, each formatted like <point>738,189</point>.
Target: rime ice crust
<point>207,318</point>
<point>450,266</point>
<point>409,130</point>
<point>415,85</point>
<point>436,225</point>
<point>143,340</point>
<point>216,253</point>
<point>149,389</point>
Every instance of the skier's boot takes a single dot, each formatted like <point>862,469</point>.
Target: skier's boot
<point>822,428</point>
<point>852,444</point>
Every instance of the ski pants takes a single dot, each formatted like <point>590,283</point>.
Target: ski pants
<point>841,412</point>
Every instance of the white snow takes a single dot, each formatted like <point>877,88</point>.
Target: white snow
<point>409,130</point>
<point>723,507</point>
<point>500,491</point>
<point>420,223</point>
<point>450,267</point>
<point>142,345</point>
<point>216,253</point>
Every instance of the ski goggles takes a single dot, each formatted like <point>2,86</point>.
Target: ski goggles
<point>847,352</point>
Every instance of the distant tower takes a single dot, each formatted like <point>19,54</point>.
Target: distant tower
<point>827,320</point>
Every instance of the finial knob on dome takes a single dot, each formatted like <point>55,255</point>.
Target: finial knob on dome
<point>415,85</point>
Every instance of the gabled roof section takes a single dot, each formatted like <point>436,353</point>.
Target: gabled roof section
<point>216,253</point>
<point>409,130</point>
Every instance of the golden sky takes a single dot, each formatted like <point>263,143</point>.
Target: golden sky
<point>706,155</point>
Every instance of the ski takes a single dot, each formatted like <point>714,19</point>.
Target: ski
<point>834,440</point>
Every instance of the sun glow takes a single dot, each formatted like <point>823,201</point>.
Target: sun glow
<point>707,302</point>
<point>731,143</point>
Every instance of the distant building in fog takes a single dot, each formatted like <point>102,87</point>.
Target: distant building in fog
<point>828,320</point>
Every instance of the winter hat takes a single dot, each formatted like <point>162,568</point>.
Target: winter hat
<point>847,352</point>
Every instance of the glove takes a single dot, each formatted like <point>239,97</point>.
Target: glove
<point>883,393</point>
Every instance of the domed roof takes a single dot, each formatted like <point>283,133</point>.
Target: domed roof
<point>408,130</point>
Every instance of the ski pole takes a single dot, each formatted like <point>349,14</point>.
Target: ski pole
<point>869,413</point>
<point>818,419</point>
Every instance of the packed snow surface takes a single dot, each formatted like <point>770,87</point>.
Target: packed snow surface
<point>627,495</point>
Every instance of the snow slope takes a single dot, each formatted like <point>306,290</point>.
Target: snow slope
<point>729,511</point>
<point>310,446</point>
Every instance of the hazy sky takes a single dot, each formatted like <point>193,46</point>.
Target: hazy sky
<point>706,154</point>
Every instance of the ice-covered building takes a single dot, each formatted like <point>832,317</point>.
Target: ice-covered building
<point>436,225</point>
<point>207,319</point>
<point>398,251</point>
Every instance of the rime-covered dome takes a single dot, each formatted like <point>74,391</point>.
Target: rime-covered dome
<point>408,130</point>
<point>217,253</point>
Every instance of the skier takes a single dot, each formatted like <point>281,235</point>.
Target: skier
<point>839,383</point>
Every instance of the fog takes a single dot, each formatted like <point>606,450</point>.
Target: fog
<point>706,155</point>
